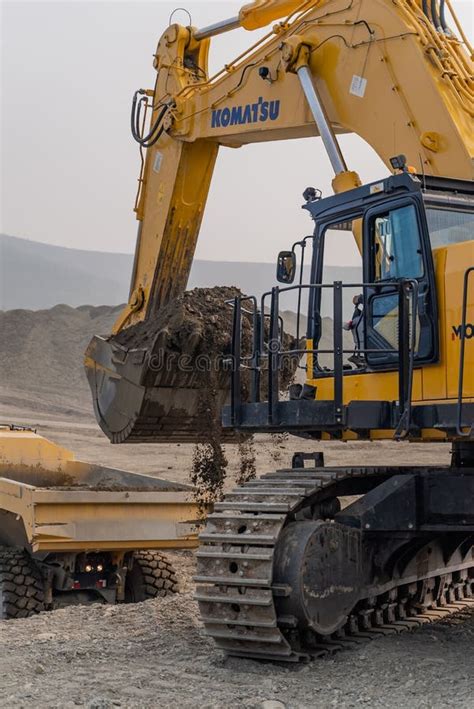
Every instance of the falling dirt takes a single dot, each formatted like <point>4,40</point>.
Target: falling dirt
<point>247,460</point>
<point>209,462</point>
<point>208,473</point>
<point>278,441</point>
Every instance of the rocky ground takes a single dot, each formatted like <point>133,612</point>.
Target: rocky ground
<point>155,654</point>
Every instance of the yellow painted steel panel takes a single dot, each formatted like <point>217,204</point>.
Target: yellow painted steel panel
<point>458,258</point>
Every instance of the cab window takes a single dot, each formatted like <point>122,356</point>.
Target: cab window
<point>449,226</point>
<point>396,244</point>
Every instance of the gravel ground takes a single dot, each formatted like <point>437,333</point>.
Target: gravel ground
<point>155,654</point>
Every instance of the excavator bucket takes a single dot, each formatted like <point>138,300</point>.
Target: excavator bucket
<point>165,378</point>
<point>134,404</point>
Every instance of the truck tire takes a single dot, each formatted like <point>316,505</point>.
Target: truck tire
<point>21,585</point>
<point>151,576</point>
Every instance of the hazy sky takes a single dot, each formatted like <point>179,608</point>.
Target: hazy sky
<point>69,164</point>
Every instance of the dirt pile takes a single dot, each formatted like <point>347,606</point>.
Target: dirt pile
<point>41,359</point>
<point>36,475</point>
<point>42,352</point>
<point>195,331</point>
<point>197,322</point>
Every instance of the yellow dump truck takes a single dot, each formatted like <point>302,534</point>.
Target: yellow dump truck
<point>72,532</point>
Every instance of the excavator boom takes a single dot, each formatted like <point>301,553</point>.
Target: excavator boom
<point>382,69</point>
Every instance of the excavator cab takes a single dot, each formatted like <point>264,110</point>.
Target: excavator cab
<point>400,223</point>
<point>395,248</point>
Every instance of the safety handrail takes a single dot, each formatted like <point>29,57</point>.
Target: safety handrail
<point>462,353</point>
<point>407,290</point>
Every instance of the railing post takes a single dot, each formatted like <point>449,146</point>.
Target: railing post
<point>298,309</point>
<point>255,382</point>
<point>338,353</point>
<point>403,346</point>
<point>235,389</point>
<point>459,425</point>
<point>273,358</point>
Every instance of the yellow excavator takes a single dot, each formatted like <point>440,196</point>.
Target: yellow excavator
<point>284,571</point>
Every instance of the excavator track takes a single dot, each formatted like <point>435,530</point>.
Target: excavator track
<point>239,598</point>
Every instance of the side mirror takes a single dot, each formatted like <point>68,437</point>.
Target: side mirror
<point>286,267</point>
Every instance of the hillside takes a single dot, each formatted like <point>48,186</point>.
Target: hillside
<point>41,357</point>
<point>36,276</point>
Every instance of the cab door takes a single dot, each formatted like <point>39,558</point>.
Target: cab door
<point>397,247</point>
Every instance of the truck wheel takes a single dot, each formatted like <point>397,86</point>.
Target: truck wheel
<point>21,585</point>
<point>151,576</point>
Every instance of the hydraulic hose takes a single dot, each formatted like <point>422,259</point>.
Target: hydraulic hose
<point>136,116</point>
<point>133,122</point>
<point>434,15</point>
<point>155,139</point>
<point>426,10</point>
<point>154,128</point>
<point>155,131</point>
<point>442,16</point>
<point>135,119</point>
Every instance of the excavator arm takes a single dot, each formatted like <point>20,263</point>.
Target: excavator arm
<point>389,70</point>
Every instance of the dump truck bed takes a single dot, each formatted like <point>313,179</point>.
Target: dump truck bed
<point>58,504</point>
